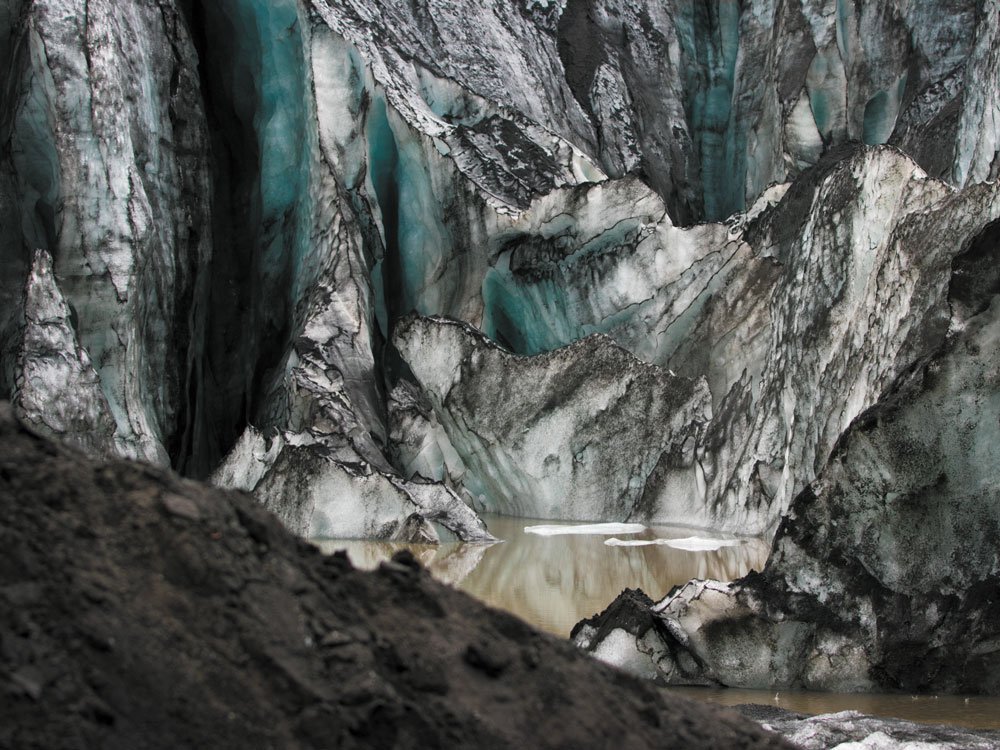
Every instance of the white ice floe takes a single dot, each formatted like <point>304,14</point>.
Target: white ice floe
<point>616,542</point>
<point>691,543</point>
<point>701,544</point>
<point>586,528</point>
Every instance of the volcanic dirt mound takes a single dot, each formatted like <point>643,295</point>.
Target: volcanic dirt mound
<point>141,610</point>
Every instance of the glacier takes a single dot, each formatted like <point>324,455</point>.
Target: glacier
<point>862,281</point>
<point>335,166</point>
<point>387,266</point>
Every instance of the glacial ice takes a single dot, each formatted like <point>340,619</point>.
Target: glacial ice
<point>693,301</point>
<point>616,542</point>
<point>108,165</point>
<point>618,648</point>
<point>368,161</point>
<point>908,498</point>
<point>56,389</point>
<point>318,497</point>
<point>33,149</point>
<point>417,242</point>
<point>523,457</point>
<point>701,544</point>
<point>368,249</point>
<point>881,112</point>
<point>852,730</point>
<point>709,41</point>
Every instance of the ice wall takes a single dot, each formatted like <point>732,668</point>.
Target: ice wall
<point>881,577</point>
<point>709,44</point>
<point>29,175</point>
<point>714,102</point>
<point>256,92</point>
<point>243,199</point>
<point>785,315</point>
<point>107,163</point>
<point>541,449</point>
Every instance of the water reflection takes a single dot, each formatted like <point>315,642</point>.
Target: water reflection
<point>449,563</point>
<point>554,581</point>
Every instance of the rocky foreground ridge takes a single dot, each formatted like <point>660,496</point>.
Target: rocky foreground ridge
<point>141,610</point>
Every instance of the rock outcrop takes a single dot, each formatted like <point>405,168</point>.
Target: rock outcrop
<point>850,729</point>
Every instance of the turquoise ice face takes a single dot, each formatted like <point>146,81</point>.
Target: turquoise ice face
<point>417,243</point>
<point>266,83</point>
<point>709,36</point>
<point>561,300</point>
<point>33,151</point>
<point>281,126</point>
<point>881,112</point>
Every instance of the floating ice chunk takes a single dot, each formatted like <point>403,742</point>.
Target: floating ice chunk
<point>616,542</point>
<point>586,528</point>
<point>701,544</point>
<point>691,543</point>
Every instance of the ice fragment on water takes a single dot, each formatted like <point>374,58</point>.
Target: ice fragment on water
<point>591,528</point>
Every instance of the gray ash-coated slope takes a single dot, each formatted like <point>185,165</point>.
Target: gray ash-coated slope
<point>140,610</point>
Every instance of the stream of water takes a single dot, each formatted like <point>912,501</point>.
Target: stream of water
<point>555,574</point>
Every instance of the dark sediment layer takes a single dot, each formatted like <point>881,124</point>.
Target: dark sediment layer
<point>140,610</point>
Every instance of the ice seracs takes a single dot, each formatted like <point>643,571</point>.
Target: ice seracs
<point>56,389</point>
<point>793,319</point>
<point>105,168</point>
<point>241,229</point>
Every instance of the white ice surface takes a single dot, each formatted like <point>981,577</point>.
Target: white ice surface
<point>691,543</point>
<point>701,544</point>
<point>586,528</point>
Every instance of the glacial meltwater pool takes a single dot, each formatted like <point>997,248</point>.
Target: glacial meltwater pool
<point>553,580</point>
<point>560,573</point>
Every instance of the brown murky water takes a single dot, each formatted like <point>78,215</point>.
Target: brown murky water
<point>555,581</point>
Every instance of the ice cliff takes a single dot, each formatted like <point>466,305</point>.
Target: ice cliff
<point>383,264</point>
<point>885,573</point>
